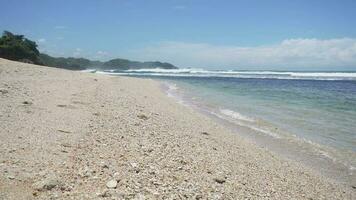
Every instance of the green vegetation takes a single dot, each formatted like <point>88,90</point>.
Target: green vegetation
<point>66,63</point>
<point>19,48</point>
<point>123,64</point>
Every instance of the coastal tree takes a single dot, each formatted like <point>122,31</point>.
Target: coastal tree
<point>18,48</point>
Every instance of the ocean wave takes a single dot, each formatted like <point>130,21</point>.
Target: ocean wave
<point>236,115</point>
<point>245,123</point>
<point>190,72</point>
<point>89,70</point>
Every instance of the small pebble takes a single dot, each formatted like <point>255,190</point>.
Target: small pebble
<point>220,180</point>
<point>142,116</point>
<point>111,184</point>
<point>205,133</point>
<point>26,103</point>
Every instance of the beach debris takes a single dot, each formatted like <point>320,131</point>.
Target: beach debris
<point>135,167</point>
<point>85,172</point>
<point>220,180</point>
<point>205,133</point>
<point>66,145</point>
<point>111,184</point>
<point>117,176</point>
<point>63,131</point>
<point>66,188</point>
<point>66,106</point>
<point>104,165</point>
<point>105,193</point>
<point>47,184</point>
<point>142,116</point>
<point>26,102</point>
<point>11,177</point>
<point>12,150</point>
<point>3,91</point>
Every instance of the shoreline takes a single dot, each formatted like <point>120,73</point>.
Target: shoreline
<point>312,156</point>
<point>83,130</point>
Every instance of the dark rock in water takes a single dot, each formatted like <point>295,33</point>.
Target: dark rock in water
<point>142,116</point>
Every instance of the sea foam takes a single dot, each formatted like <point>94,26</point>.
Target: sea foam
<point>196,72</point>
<point>236,115</point>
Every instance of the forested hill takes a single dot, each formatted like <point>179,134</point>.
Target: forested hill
<point>123,64</point>
<point>114,64</point>
<point>19,48</point>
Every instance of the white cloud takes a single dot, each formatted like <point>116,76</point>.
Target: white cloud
<point>290,53</point>
<point>41,40</point>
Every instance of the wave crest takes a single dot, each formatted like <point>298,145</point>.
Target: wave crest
<point>195,72</point>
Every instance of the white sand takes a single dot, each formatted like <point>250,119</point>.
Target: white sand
<point>78,134</point>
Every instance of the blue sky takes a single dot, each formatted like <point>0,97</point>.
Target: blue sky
<point>248,34</point>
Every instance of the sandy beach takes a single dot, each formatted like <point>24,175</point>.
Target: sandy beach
<point>74,135</point>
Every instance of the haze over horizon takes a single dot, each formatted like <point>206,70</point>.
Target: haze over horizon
<point>255,35</point>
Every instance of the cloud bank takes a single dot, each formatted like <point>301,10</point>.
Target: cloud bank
<point>289,54</point>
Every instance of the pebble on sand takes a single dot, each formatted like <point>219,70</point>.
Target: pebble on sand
<point>3,91</point>
<point>46,184</point>
<point>26,102</point>
<point>111,184</point>
<point>220,180</point>
<point>205,133</point>
<point>142,116</point>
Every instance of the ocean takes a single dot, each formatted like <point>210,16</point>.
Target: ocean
<point>308,117</point>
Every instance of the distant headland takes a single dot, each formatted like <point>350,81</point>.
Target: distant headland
<point>18,48</point>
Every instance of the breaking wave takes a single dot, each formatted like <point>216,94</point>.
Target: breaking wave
<point>192,72</point>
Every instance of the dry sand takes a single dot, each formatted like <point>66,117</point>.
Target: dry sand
<point>75,135</point>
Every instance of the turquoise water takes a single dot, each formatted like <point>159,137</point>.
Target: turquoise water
<point>320,111</point>
<point>308,116</point>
